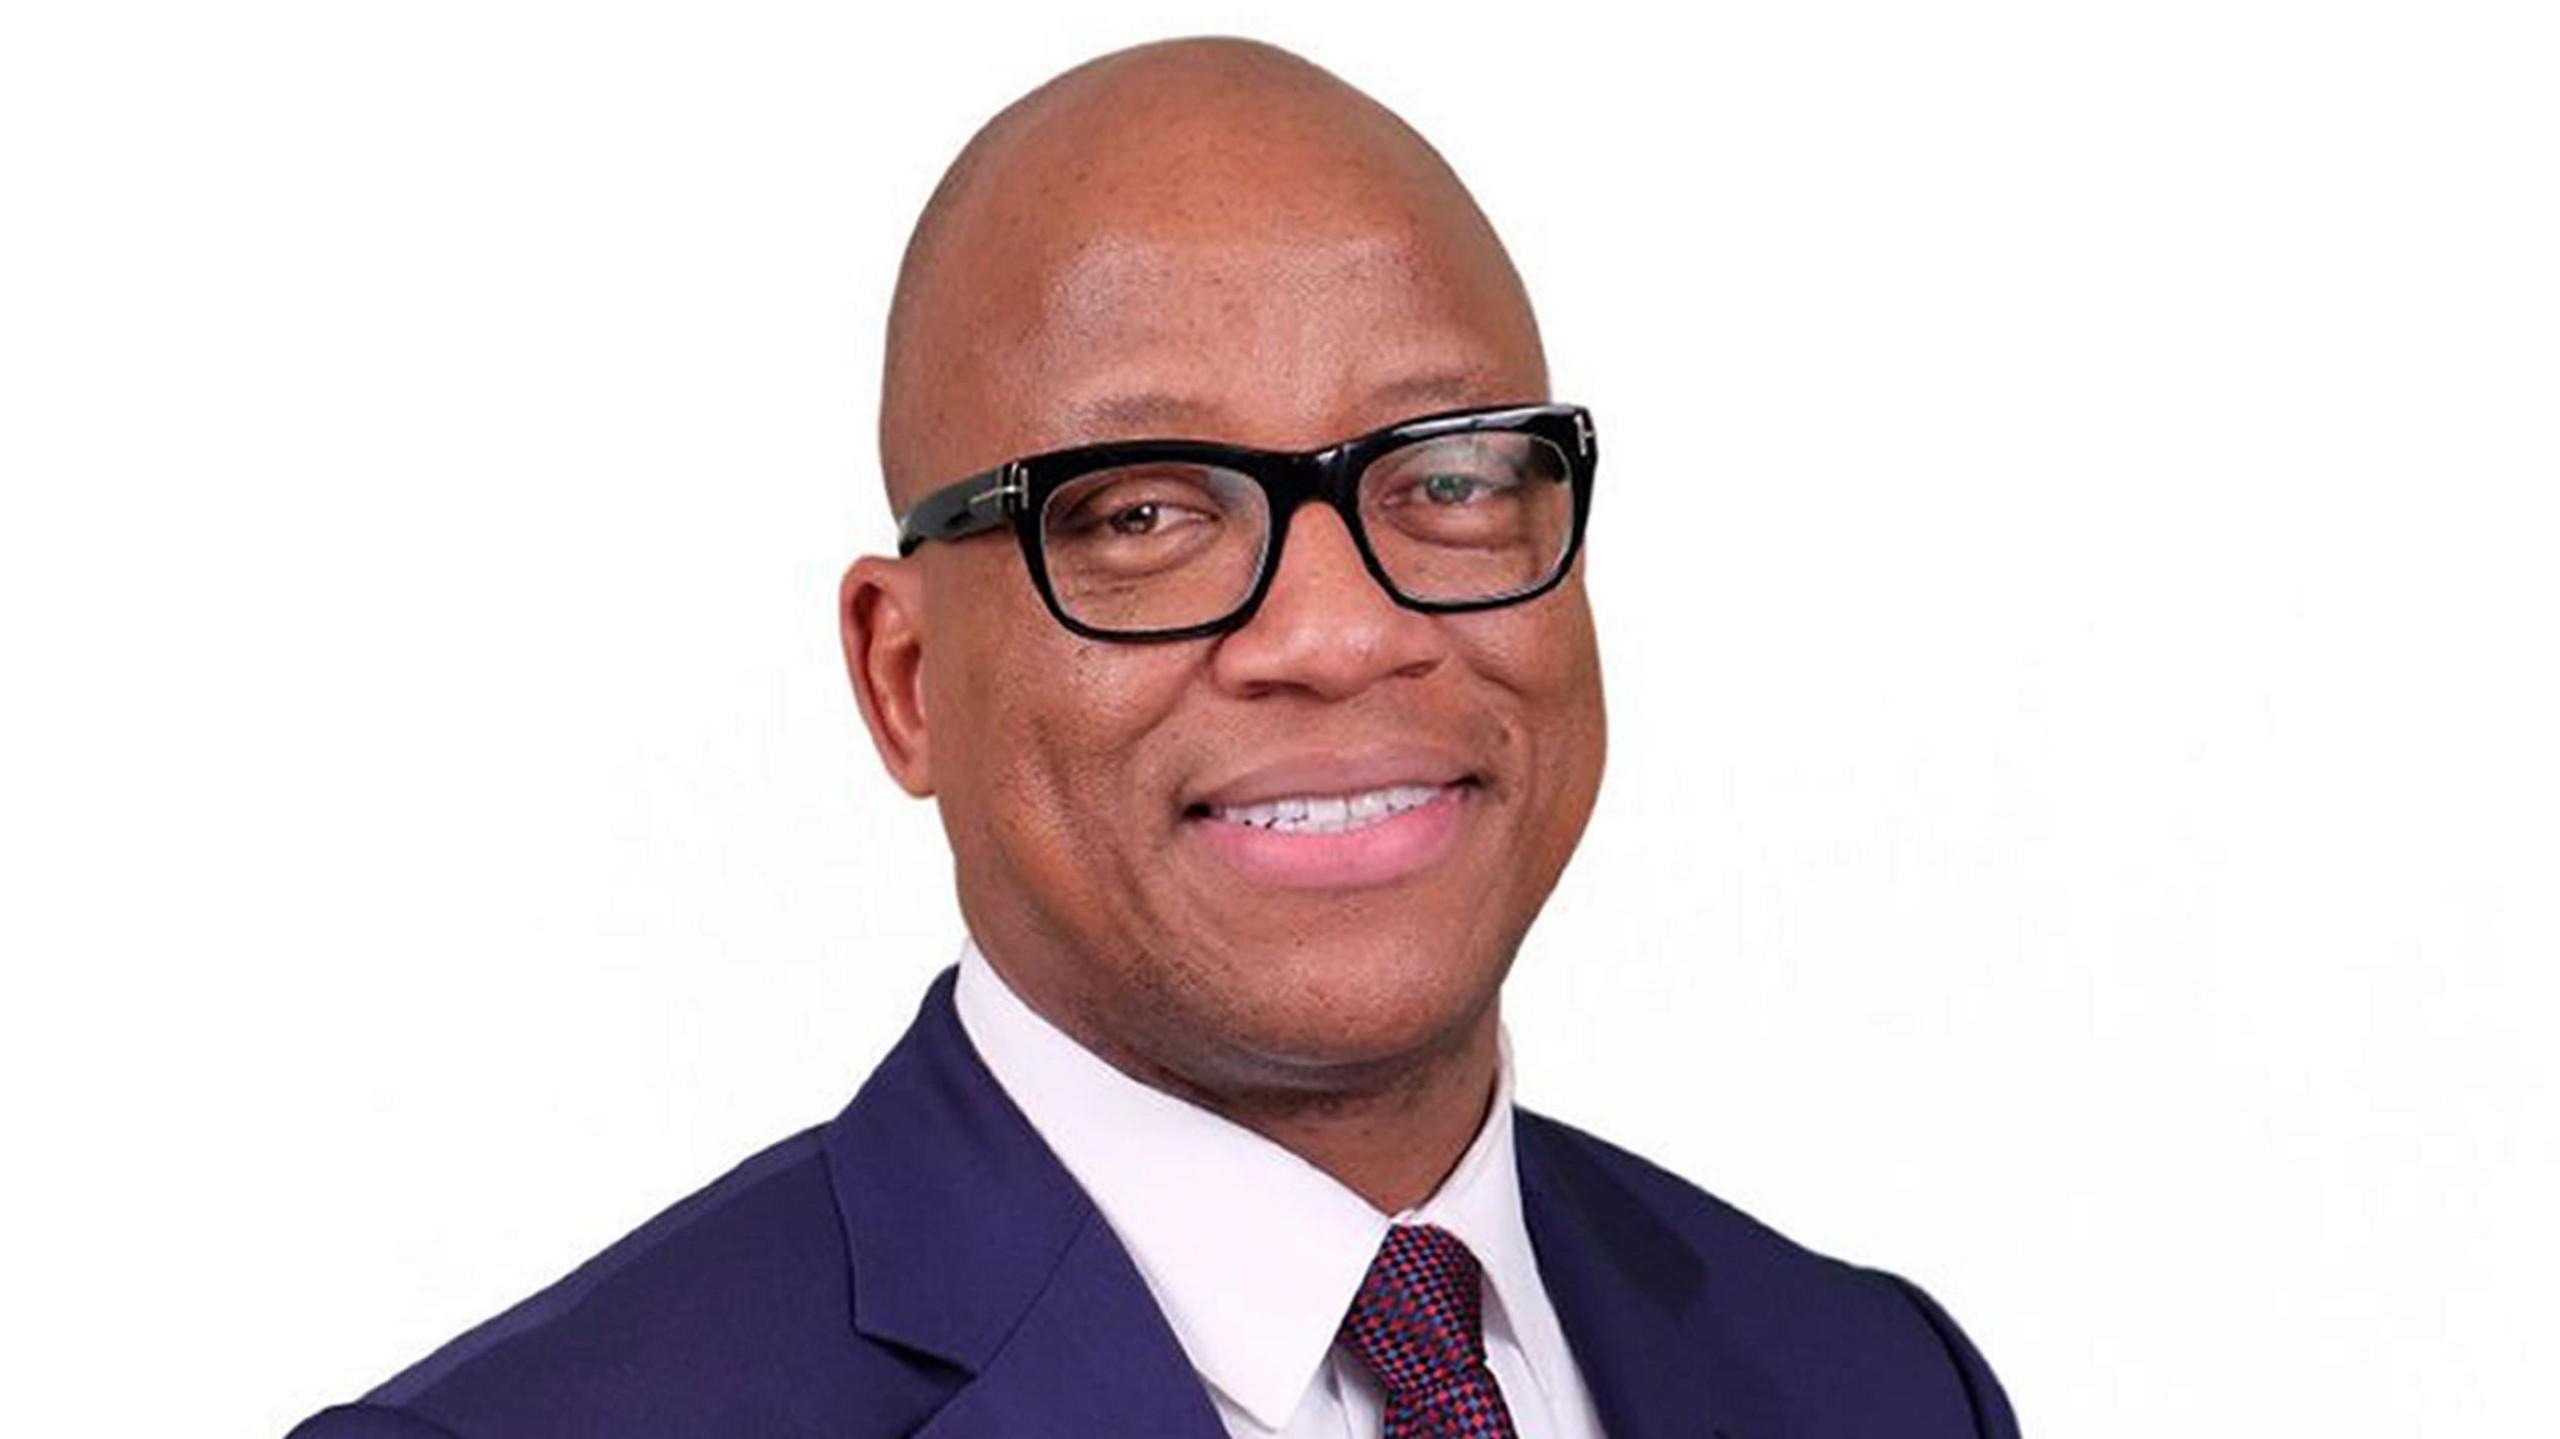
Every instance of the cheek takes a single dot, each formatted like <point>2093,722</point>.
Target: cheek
<point>1065,739</point>
<point>1016,703</point>
<point>1547,662</point>
<point>1544,653</point>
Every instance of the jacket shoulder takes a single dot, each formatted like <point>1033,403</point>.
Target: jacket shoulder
<point>729,1312</point>
<point>1804,1331</point>
<point>366,1421</point>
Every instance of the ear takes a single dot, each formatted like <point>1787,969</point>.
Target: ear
<point>880,607</point>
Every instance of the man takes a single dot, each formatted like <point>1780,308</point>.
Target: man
<point>1238,631</point>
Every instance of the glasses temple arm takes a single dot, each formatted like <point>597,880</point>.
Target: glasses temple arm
<point>981,502</point>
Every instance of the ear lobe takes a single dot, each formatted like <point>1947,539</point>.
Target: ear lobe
<point>880,608</point>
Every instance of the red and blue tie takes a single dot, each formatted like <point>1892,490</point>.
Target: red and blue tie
<point>1418,1323</point>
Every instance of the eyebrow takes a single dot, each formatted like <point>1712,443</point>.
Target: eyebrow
<point>1141,410</point>
<point>1165,411</point>
<point>1440,389</point>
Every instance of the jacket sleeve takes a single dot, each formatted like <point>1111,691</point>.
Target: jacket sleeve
<point>1992,1417</point>
<point>368,1421</point>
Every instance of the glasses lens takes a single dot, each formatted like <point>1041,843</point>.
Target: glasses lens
<point>1470,516</point>
<point>1160,545</point>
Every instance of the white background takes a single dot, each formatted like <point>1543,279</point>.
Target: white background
<point>2074,559</point>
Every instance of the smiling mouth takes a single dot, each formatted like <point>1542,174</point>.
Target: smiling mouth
<point>1328,813</point>
<point>1334,819</point>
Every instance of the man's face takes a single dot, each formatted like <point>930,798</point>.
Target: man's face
<point>1089,788</point>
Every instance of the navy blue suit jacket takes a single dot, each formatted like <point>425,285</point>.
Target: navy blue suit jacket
<point>923,1266</point>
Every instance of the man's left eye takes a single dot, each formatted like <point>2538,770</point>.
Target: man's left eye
<point>1447,489</point>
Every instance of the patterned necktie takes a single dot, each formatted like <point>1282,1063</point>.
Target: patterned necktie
<point>1418,1324</point>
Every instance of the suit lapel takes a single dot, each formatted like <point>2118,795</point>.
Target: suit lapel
<point>969,1242</point>
<point>1093,1356</point>
<point>1626,1288</point>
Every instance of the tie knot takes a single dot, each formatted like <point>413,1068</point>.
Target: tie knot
<point>1418,1321</point>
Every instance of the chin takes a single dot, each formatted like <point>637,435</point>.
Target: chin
<point>1339,1002</point>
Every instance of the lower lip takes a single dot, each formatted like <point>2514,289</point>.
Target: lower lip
<point>1379,853</point>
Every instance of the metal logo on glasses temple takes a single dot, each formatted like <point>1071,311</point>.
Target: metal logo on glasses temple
<point>1582,432</point>
<point>1012,487</point>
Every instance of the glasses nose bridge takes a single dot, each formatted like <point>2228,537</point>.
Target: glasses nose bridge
<point>1325,477</point>
<point>1322,475</point>
<point>1328,477</point>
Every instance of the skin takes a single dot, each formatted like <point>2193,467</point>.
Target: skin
<point>1213,238</point>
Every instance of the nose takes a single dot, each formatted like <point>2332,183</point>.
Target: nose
<point>1325,626</point>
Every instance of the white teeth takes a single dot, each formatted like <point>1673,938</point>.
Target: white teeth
<point>1330,813</point>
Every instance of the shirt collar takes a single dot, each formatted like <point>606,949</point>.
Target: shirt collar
<point>1252,1253</point>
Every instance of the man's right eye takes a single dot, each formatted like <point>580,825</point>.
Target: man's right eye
<point>1134,503</point>
<point>1135,518</point>
<point>1148,516</point>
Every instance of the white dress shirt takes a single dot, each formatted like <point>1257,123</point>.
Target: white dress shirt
<point>1254,1254</point>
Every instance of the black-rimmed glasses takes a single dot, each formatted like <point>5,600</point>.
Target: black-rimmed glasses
<point>1172,539</point>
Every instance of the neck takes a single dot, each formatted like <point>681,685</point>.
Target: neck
<point>1393,1148</point>
<point>1389,1130</point>
<point>1392,1137</point>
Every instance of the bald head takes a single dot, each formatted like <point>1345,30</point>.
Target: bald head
<point>1200,237</point>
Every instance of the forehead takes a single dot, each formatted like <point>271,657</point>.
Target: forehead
<point>1283,338</point>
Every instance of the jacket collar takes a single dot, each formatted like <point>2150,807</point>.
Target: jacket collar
<point>955,1214</point>
<point>1629,1290</point>
<point>971,1243</point>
